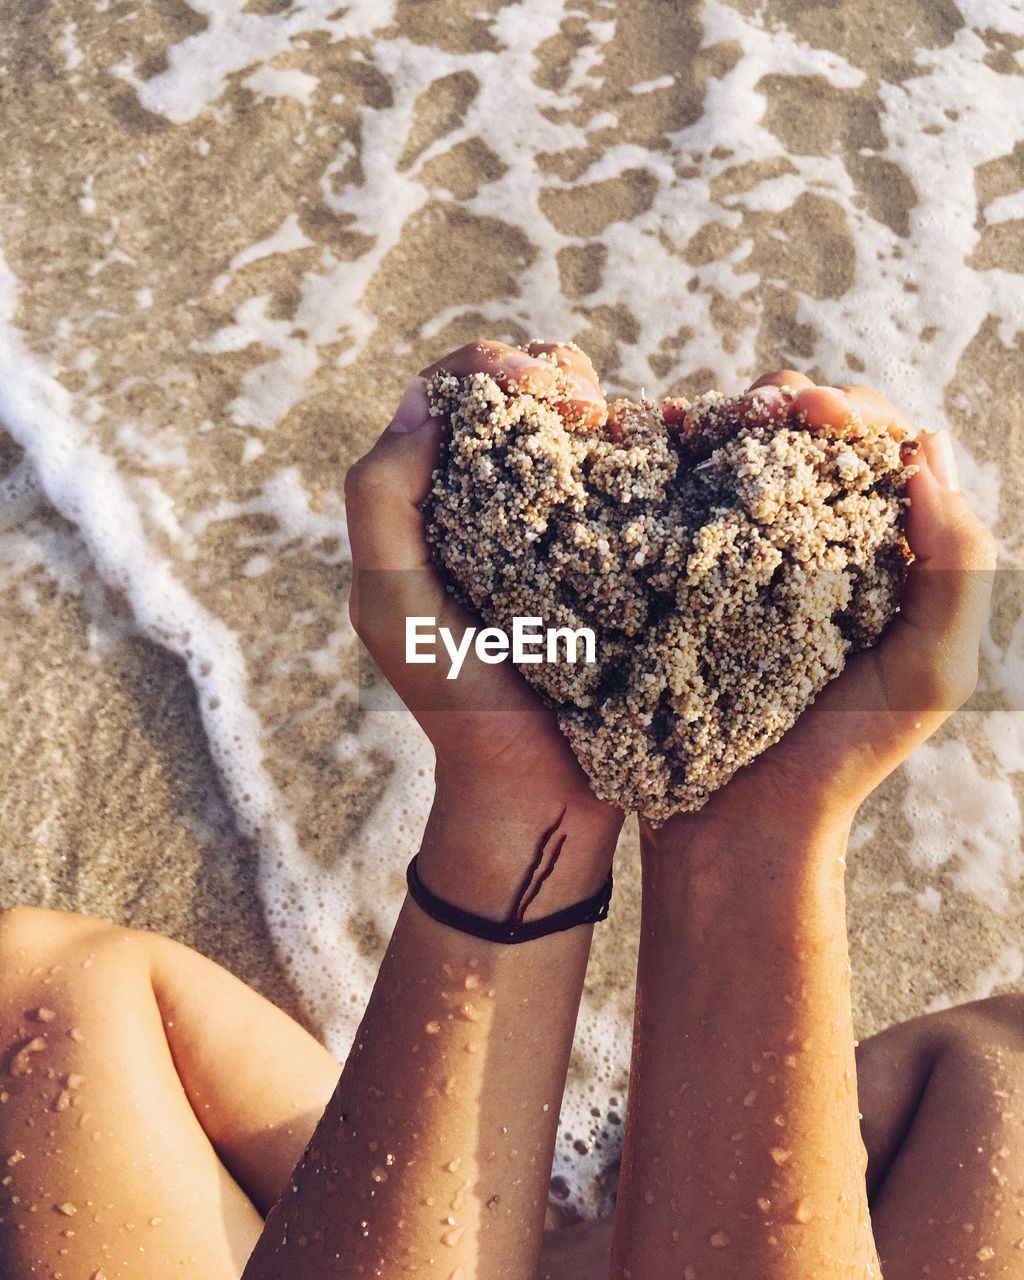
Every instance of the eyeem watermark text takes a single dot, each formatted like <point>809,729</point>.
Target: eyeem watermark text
<point>530,641</point>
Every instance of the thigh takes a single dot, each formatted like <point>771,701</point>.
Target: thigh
<point>107,1168</point>
<point>943,1104</point>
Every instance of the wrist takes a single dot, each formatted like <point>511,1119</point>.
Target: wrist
<point>779,866</point>
<point>752,814</point>
<point>481,844</point>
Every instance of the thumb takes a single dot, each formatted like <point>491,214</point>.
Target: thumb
<point>394,578</point>
<point>392,573</point>
<point>384,488</point>
<point>934,641</point>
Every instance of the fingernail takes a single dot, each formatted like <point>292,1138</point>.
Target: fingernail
<point>586,389</point>
<point>517,361</point>
<point>942,460</point>
<point>413,409</point>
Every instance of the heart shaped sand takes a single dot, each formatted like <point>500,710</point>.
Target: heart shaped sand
<point>727,562</point>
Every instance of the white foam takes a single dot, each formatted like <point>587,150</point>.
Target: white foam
<point>282,82</point>
<point>68,46</point>
<point>968,823</point>
<point>287,237</point>
<point>199,66</point>
<point>85,486</point>
<point>1005,971</point>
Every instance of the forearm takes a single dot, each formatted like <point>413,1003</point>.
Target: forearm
<point>434,1154</point>
<point>743,1153</point>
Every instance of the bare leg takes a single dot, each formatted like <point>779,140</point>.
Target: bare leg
<point>152,1104</point>
<point>942,1098</point>
<point>943,1104</point>
<point>189,1136</point>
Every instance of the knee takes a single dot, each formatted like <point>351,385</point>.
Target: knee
<point>997,1022</point>
<point>982,1046</point>
<point>34,936</point>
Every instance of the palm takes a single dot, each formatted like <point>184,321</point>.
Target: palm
<point>890,698</point>
<point>488,721</point>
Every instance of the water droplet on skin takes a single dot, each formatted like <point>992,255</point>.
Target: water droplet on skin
<point>689,1273</point>
<point>764,1204</point>
<point>451,1238</point>
<point>14,1158</point>
<point>454,1164</point>
<point>98,1275</point>
<point>77,1035</point>
<point>779,1120</point>
<point>719,1240</point>
<point>21,1062</point>
<point>67,1209</point>
<point>649,1197</point>
<point>63,1100</point>
<point>44,1015</point>
<point>779,1154</point>
<point>985,1253</point>
<point>469,1013</point>
<point>472,982</point>
<point>432,1027</point>
<point>802,1211</point>
<point>473,1047</point>
<point>750,1099</point>
<point>379,1174</point>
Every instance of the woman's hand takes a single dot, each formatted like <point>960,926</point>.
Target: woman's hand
<point>502,762</point>
<point>744,1017</point>
<point>890,698</point>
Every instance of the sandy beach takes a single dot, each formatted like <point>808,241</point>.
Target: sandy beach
<point>231,232</point>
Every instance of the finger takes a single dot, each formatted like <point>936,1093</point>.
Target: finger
<point>384,488</point>
<point>537,374</point>
<point>820,408</point>
<point>391,567</point>
<point>932,645</point>
<point>394,577</point>
<point>589,400</point>
<point>783,378</point>
<point>769,402</point>
<point>570,357</point>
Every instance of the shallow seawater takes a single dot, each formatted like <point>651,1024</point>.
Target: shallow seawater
<point>232,232</point>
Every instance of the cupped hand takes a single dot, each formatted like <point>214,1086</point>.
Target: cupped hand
<point>491,733</point>
<point>889,698</point>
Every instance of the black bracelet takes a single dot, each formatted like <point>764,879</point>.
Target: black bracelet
<point>591,911</point>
